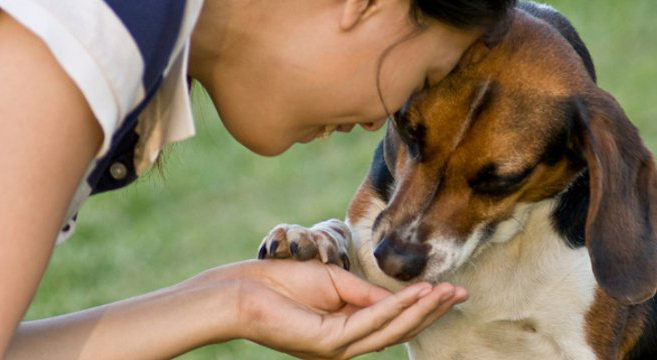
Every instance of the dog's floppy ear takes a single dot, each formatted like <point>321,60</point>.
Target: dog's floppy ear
<point>622,213</point>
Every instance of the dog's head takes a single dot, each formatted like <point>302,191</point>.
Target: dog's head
<point>514,124</point>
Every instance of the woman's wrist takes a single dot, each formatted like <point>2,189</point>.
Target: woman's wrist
<point>212,307</point>
<point>223,300</point>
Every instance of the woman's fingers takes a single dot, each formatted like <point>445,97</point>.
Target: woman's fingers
<point>370,319</point>
<point>460,295</point>
<point>354,290</point>
<point>410,320</point>
<point>394,319</point>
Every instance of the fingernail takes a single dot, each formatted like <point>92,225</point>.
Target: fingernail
<point>462,295</point>
<point>424,292</point>
<point>447,296</point>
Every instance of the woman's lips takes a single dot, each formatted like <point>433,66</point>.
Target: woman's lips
<point>345,127</point>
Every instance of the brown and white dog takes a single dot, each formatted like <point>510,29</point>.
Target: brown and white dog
<point>521,180</point>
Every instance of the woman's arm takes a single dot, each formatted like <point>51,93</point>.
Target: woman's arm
<point>158,325</point>
<point>48,135</point>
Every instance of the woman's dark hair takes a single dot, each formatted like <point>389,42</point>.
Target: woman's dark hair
<point>462,13</point>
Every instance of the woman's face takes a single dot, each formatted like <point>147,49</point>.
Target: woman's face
<point>288,68</point>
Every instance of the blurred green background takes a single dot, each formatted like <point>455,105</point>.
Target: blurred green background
<point>216,200</point>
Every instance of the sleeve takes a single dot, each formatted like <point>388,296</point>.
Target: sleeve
<point>94,48</point>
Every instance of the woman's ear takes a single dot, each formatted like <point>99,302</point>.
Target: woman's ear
<point>355,11</point>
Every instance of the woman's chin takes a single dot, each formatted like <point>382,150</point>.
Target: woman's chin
<point>269,149</point>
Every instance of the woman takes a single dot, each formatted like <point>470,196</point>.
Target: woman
<point>91,91</point>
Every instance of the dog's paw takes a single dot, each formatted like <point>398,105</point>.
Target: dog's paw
<point>326,241</point>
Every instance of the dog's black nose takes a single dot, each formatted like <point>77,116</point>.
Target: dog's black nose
<point>401,260</point>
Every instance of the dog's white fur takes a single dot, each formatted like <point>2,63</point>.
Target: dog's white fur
<point>529,291</point>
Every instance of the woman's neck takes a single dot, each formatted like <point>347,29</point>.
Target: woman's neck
<point>210,38</point>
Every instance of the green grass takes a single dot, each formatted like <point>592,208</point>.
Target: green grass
<point>218,200</point>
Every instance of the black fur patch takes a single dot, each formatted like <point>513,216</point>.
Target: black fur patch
<point>488,232</point>
<point>380,176</point>
<point>556,148</point>
<point>646,347</point>
<point>569,217</point>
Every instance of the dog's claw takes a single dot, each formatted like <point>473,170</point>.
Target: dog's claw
<point>262,252</point>
<point>345,262</point>
<point>273,247</point>
<point>294,249</point>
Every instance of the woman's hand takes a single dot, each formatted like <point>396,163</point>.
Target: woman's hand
<point>309,309</point>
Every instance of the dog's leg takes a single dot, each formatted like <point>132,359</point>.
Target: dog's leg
<point>348,244</point>
<point>327,241</point>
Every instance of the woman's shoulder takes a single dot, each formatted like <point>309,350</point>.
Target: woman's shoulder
<point>115,50</point>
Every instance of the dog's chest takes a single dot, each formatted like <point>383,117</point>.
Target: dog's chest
<point>533,317</point>
<point>528,300</point>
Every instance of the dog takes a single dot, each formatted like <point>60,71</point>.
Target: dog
<point>521,180</point>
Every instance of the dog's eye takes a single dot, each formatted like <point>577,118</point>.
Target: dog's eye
<point>489,182</point>
<point>411,135</point>
<point>406,131</point>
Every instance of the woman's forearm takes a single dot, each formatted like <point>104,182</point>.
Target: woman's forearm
<point>157,325</point>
